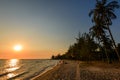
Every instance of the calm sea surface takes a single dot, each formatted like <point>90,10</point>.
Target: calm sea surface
<point>23,69</point>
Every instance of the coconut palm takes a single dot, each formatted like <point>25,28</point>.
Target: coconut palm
<point>103,14</point>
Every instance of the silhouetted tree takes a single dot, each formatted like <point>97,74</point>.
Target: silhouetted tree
<point>84,49</point>
<point>53,57</point>
<point>102,17</point>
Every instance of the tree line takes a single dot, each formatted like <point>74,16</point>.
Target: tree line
<point>99,43</point>
<point>87,49</point>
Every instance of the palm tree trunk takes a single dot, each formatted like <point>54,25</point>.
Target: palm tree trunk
<point>114,43</point>
<point>106,50</point>
<point>107,55</point>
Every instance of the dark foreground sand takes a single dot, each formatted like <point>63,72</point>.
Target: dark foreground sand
<point>76,70</point>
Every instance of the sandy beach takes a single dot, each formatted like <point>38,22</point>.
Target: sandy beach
<point>76,70</point>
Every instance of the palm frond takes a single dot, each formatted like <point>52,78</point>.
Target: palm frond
<point>91,28</point>
<point>104,2</point>
<point>113,5</point>
<point>104,27</point>
<point>91,12</point>
<point>111,15</point>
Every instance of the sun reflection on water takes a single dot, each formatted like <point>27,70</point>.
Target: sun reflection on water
<point>13,62</point>
<point>13,65</point>
<point>10,75</point>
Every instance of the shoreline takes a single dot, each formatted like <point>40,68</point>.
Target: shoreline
<point>60,71</point>
<point>78,70</point>
<point>46,71</point>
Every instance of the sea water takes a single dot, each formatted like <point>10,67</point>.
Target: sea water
<point>24,69</point>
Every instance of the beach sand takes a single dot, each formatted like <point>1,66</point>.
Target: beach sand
<point>76,70</point>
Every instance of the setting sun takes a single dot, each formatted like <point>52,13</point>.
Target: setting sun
<point>17,47</point>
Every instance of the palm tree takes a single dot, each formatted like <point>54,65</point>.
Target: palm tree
<point>103,15</point>
<point>98,32</point>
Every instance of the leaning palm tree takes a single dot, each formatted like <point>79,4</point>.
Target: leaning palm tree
<point>103,14</point>
<point>98,33</point>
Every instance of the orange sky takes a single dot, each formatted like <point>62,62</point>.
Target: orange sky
<point>27,52</point>
<point>10,54</point>
<point>31,47</point>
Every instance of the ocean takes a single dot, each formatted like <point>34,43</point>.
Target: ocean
<point>24,69</point>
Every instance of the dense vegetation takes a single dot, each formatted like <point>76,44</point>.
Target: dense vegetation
<point>99,43</point>
<point>86,49</point>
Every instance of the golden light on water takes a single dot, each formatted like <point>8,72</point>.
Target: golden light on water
<point>17,47</point>
<point>13,65</point>
<point>10,75</point>
<point>13,62</point>
<point>12,69</point>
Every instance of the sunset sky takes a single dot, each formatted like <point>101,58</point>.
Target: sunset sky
<point>44,27</point>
